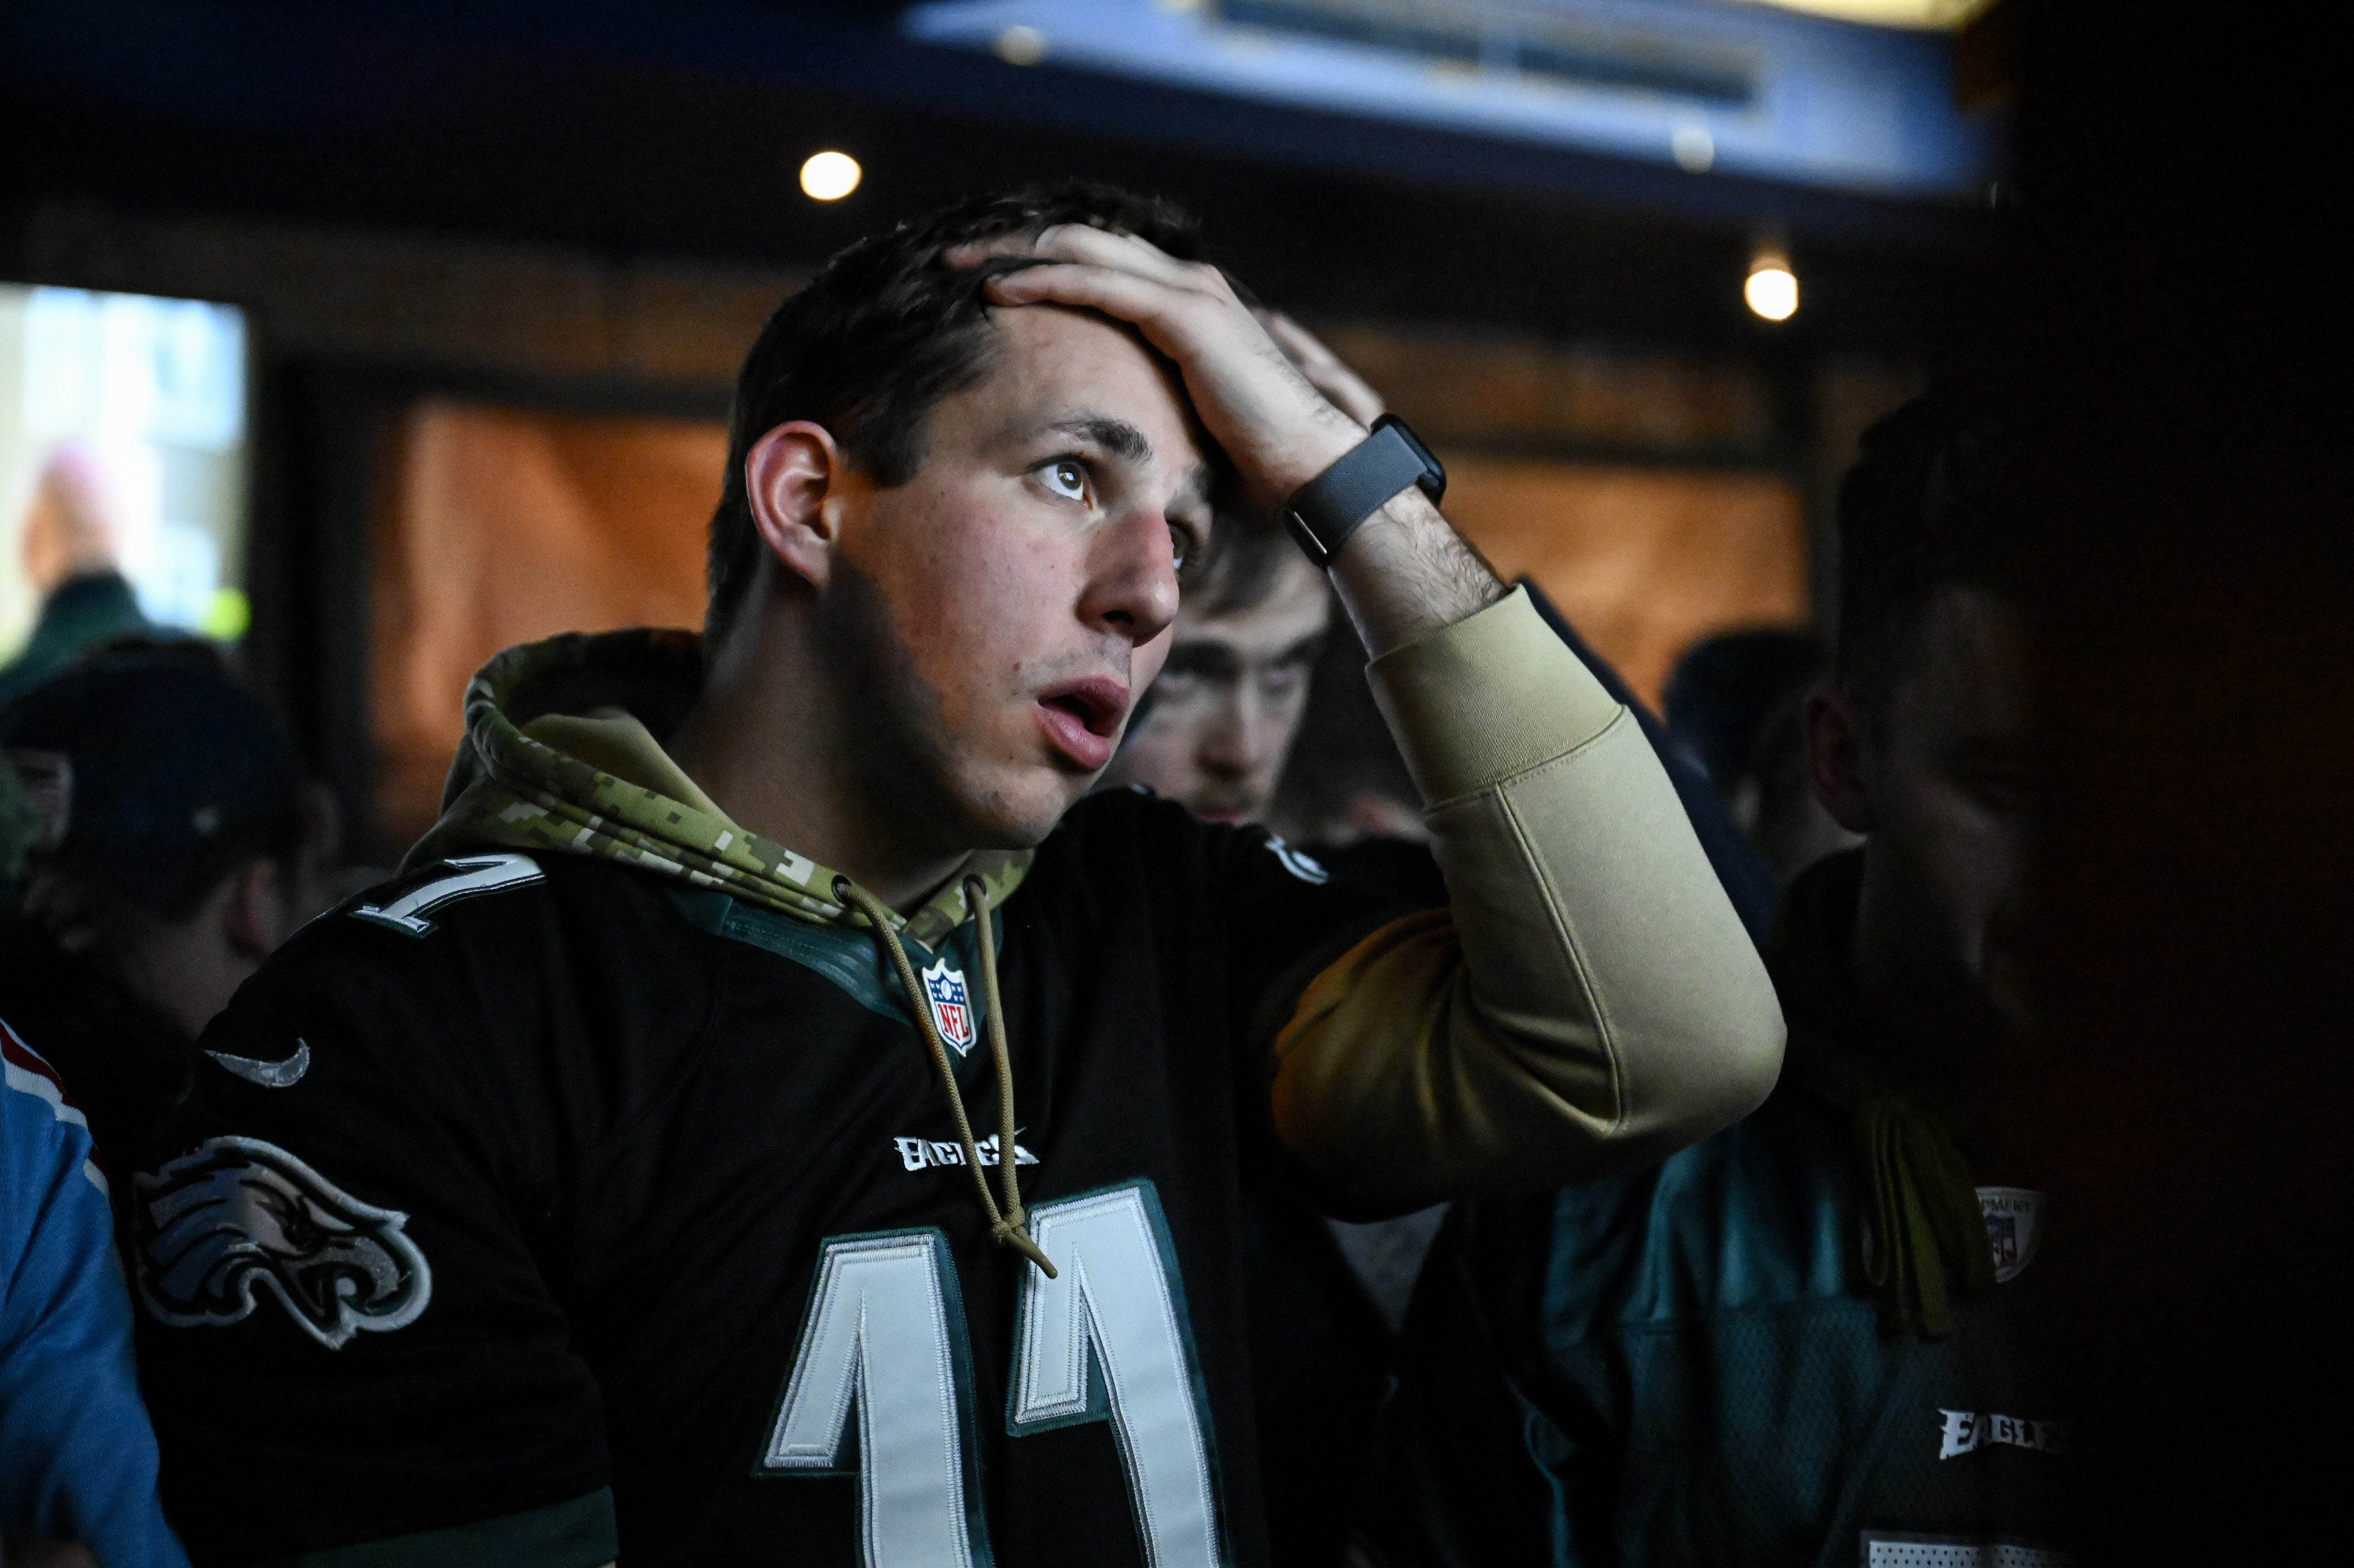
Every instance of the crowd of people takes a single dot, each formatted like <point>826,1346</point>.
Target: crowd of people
<point>936,1070</point>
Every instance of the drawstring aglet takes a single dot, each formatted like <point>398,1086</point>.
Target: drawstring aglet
<point>1010,1233</point>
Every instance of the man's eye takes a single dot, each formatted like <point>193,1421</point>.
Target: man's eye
<point>1067,480</point>
<point>1180,547</point>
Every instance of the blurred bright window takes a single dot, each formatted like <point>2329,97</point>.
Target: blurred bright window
<point>123,431</point>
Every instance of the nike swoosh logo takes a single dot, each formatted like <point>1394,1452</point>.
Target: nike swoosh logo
<point>269,1074</point>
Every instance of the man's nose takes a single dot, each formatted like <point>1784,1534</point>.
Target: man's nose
<point>1239,737</point>
<point>1131,589</point>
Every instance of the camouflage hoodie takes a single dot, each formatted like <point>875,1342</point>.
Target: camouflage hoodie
<point>561,753</point>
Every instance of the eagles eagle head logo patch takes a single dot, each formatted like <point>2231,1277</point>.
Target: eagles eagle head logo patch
<point>951,1004</point>
<point>240,1214</point>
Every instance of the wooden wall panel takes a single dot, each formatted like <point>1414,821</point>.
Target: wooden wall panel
<point>1645,562</point>
<point>502,526</point>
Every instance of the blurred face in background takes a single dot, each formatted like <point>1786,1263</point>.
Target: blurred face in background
<point>1939,786</point>
<point>1229,702</point>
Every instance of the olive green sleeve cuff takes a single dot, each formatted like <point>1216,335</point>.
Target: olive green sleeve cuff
<point>1487,699</point>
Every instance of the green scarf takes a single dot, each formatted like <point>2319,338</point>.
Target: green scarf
<point>506,789</point>
<point>1920,1239</point>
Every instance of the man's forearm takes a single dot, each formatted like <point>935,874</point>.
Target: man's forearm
<point>1405,574</point>
<point>1587,1003</point>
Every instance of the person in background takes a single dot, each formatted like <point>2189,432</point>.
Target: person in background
<point>77,1456</point>
<point>1806,1340</point>
<point>68,543</point>
<point>1228,704</point>
<point>1737,703</point>
<point>189,846</point>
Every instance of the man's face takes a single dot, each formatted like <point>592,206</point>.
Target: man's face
<point>1946,874</point>
<point>1230,699</point>
<point>1018,591</point>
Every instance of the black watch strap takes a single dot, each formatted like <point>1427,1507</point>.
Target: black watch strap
<point>1324,512</point>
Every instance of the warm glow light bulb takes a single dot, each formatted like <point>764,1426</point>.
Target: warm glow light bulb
<point>830,176</point>
<point>1772,291</point>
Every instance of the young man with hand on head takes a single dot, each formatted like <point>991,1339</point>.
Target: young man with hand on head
<point>1806,1340</point>
<point>772,1120</point>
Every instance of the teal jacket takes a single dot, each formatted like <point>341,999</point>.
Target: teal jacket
<point>1673,1367</point>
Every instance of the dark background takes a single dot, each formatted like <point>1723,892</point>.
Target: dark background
<point>2165,290</point>
<point>588,207</point>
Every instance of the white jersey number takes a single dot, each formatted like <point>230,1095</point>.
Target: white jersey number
<point>469,878</point>
<point>882,1338</point>
<point>1105,1341</point>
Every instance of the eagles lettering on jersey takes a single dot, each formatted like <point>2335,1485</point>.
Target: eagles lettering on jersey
<point>596,1191</point>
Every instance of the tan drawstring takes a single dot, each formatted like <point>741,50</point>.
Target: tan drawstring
<point>1011,1224</point>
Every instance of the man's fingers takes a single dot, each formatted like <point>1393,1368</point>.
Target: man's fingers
<point>1326,371</point>
<point>1089,246</point>
<point>1148,304</point>
<point>1101,248</point>
<point>974,252</point>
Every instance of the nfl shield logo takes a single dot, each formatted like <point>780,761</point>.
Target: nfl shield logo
<point>951,1005</point>
<point>2014,1222</point>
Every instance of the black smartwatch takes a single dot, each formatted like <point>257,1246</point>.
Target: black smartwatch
<point>1324,512</point>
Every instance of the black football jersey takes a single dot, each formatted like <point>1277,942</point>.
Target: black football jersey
<point>526,1177</point>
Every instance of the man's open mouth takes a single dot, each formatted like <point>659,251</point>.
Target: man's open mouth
<point>1082,718</point>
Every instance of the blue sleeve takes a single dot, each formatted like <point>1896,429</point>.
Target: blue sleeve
<point>77,1454</point>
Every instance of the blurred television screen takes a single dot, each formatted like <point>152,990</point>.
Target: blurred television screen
<point>122,438</point>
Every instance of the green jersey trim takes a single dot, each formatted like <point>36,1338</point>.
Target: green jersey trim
<point>843,954</point>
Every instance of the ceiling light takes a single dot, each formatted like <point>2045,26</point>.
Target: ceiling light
<point>1022,46</point>
<point>1693,148</point>
<point>1945,16</point>
<point>1772,290</point>
<point>830,176</point>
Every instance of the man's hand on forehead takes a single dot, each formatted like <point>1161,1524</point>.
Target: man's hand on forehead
<point>1279,432</point>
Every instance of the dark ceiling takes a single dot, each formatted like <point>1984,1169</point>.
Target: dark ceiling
<point>678,129</point>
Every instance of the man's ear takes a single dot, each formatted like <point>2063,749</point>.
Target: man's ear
<point>793,478</point>
<point>256,917</point>
<point>1838,737</point>
<point>310,889</point>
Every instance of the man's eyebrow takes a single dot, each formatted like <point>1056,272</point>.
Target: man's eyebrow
<point>1307,648</point>
<point>1117,436</point>
<point>1195,491</point>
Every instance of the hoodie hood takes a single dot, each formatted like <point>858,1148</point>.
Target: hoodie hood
<point>562,753</point>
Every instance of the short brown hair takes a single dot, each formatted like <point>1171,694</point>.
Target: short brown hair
<point>882,335</point>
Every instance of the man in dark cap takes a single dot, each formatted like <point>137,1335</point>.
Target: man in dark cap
<point>186,844</point>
